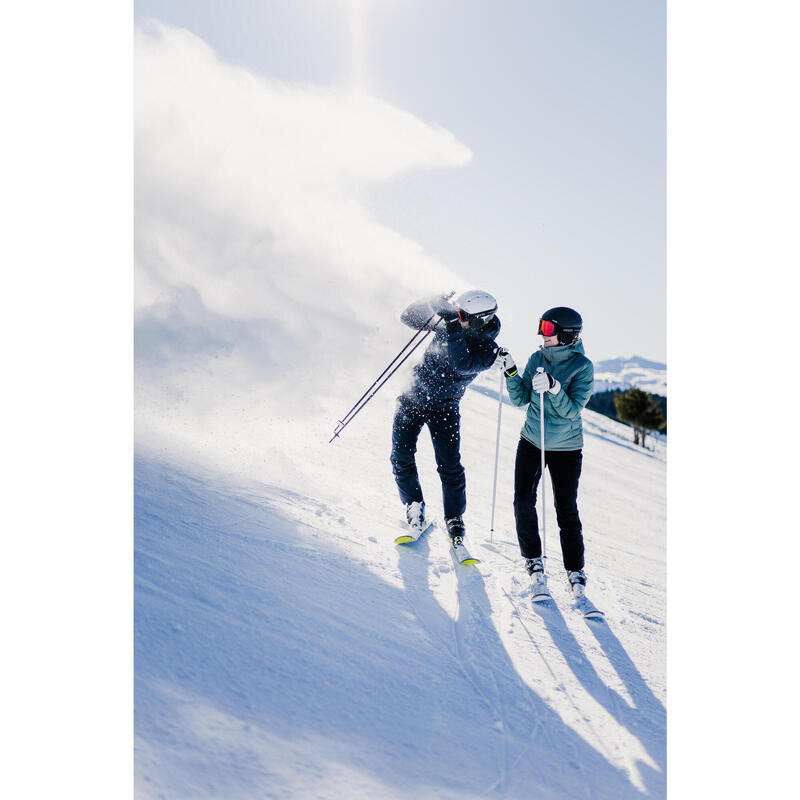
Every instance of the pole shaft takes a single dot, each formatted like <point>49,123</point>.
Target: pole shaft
<point>358,405</point>
<point>341,425</point>
<point>541,438</point>
<point>496,454</point>
<point>391,364</point>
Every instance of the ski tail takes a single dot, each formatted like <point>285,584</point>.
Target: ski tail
<point>591,612</point>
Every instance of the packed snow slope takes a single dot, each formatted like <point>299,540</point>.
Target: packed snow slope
<point>285,647</point>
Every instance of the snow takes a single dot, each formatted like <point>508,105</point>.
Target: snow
<point>623,373</point>
<point>286,648</point>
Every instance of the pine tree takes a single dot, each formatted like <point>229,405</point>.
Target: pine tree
<point>638,408</point>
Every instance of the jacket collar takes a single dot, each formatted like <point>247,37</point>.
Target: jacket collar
<point>561,352</point>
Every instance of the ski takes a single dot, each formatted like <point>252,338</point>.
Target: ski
<point>414,534</point>
<point>460,552</point>
<point>462,555</point>
<point>584,605</point>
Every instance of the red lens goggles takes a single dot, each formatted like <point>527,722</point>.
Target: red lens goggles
<point>547,328</point>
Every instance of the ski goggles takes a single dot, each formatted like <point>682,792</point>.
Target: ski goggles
<point>483,318</point>
<point>547,328</point>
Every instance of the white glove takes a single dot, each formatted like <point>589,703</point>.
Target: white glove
<point>505,362</point>
<point>543,382</point>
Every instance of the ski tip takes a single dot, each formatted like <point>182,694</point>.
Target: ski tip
<point>598,615</point>
<point>541,598</point>
<point>407,538</point>
<point>468,562</point>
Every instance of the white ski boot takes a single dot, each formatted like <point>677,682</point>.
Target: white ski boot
<point>415,517</point>
<point>539,590</point>
<point>577,583</point>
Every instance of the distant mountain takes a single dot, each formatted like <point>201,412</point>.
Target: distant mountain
<point>623,373</point>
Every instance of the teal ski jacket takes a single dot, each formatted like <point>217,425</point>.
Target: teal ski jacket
<point>563,428</point>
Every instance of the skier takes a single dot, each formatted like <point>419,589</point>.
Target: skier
<point>461,348</point>
<point>567,382</point>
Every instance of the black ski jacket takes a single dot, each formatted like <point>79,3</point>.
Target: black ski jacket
<point>452,359</point>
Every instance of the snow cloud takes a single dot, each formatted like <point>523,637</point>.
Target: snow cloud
<point>258,267</point>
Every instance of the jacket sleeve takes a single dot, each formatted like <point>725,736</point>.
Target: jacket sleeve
<point>418,314</point>
<point>464,359</point>
<point>519,386</point>
<point>569,403</point>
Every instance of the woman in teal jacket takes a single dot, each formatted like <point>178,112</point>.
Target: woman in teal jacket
<point>567,382</point>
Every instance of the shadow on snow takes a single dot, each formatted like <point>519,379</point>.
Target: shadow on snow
<point>646,721</point>
<point>532,752</point>
<point>266,659</point>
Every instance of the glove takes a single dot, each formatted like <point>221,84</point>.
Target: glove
<point>544,382</point>
<point>505,362</point>
<point>445,309</point>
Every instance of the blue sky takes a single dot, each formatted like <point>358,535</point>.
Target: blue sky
<point>563,106</point>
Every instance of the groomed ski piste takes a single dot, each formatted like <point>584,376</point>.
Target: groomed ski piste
<point>285,647</point>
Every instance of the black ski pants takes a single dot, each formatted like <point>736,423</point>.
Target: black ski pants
<point>444,424</point>
<point>564,467</point>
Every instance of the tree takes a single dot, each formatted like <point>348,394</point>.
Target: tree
<point>638,408</point>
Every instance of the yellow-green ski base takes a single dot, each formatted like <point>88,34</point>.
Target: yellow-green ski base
<point>404,539</point>
<point>468,562</point>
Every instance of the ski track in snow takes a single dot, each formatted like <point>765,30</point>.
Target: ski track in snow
<point>285,648</point>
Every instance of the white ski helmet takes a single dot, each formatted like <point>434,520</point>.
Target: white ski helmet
<point>476,306</point>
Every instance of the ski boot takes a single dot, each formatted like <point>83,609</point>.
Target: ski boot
<point>415,517</point>
<point>577,583</point>
<point>456,531</point>
<point>539,590</point>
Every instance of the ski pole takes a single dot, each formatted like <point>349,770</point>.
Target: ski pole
<point>342,425</point>
<point>541,437</point>
<point>391,363</point>
<point>497,453</point>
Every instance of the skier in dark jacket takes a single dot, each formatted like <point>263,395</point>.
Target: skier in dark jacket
<point>566,382</point>
<point>463,345</point>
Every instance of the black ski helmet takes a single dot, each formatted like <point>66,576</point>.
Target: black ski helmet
<point>568,323</point>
